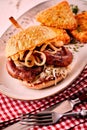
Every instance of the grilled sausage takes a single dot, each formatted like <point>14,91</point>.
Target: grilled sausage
<point>61,58</point>
<point>23,73</point>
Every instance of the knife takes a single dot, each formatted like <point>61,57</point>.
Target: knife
<point>68,104</point>
<point>63,107</point>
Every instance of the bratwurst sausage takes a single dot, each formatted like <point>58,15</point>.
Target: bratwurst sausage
<point>23,73</point>
<point>61,58</point>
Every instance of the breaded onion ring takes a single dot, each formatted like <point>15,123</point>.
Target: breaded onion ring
<point>43,47</point>
<point>40,58</point>
<point>29,60</point>
<point>53,47</point>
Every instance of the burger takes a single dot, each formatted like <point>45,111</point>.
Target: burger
<point>37,57</point>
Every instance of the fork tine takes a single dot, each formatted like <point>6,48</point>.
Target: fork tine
<point>37,122</point>
<point>42,113</point>
<point>38,119</point>
<point>38,116</point>
<point>41,116</point>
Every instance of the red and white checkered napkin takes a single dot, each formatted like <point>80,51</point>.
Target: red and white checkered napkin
<point>10,108</point>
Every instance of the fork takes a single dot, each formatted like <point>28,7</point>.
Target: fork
<point>48,118</point>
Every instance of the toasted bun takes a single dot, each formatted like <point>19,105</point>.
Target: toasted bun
<point>34,36</point>
<point>43,84</point>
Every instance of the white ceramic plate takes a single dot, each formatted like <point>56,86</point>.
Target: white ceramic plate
<point>12,87</point>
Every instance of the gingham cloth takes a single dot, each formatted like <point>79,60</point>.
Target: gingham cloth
<point>10,108</point>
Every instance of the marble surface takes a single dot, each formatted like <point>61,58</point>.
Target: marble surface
<point>13,8</point>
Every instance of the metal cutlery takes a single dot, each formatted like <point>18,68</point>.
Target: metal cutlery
<point>44,118</point>
<point>48,118</point>
<point>64,106</point>
<point>68,104</point>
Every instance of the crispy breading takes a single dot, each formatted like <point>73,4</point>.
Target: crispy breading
<point>59,16</point>
<point>62,37</point>
<point>81,32</point>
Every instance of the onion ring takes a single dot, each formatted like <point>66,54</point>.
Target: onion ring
<point>43,58</point>
<point>43,47</point>
<point>29,60</point>
<point>58,43</point>
<point>21,54</point>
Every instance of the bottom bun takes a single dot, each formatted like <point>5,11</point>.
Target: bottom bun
<point>43,84</point>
